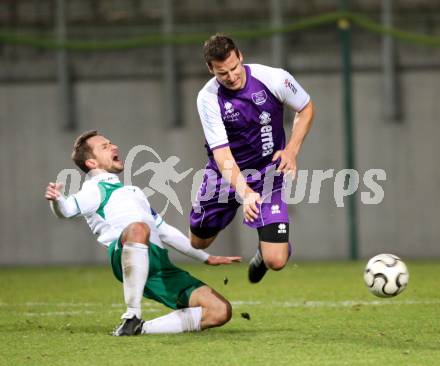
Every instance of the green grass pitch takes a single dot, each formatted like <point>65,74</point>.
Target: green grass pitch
<point>307,314</point>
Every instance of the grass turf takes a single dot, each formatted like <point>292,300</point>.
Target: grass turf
<point>307,314</point>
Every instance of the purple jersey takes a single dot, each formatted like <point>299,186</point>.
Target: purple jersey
<point>249,120</point>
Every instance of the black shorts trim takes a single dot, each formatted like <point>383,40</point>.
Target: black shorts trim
<point>277,232</point>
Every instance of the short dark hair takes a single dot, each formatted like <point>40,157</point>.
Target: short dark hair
<point>82,150</point>
<point>218,48</point>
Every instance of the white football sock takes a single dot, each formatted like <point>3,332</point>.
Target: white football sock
<point>134,261</point>
<point>178,321</point>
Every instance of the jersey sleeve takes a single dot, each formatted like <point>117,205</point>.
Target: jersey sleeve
<point>180,242</point>
<point>88,199</point>
<point>290,92</point>
<point>158,220</point>
<point>64,207</point>
<point>210,117</point>
<point>283,86</point>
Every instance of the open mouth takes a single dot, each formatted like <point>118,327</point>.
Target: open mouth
<point>115,158</point>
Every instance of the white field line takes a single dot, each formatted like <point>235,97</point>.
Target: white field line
<point>90,308</point>
<point>334,304</point>
<point>58,313</point>
<point>73,313</point>
<point>73,304</point>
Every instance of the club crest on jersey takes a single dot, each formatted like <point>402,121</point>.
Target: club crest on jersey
<point>289,84</point>
<point>265,118</point>
<point>260,97</point>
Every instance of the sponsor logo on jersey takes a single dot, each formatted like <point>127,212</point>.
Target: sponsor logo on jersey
<point>266,134</point>
<point>275,209</point>
<point>260,97</point>
<point>265,118</point>
<point>266,140</point>
<point>282,229</point>
<point>230,114</point>
<point>289,84</point>
<point>229,108</point>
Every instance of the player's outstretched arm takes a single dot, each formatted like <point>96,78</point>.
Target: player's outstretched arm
<point>60,206</point>
<point>176,239</point>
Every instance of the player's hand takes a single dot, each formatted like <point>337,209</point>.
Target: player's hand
<point>53,191</point>
<point>250,202</point>
<point>287,163</point>
<point>214,260</point>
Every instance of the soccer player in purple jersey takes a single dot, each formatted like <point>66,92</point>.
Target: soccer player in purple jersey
<point>241,110</point>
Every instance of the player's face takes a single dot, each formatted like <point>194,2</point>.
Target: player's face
<point>230,72</point>
<point>105,155</point>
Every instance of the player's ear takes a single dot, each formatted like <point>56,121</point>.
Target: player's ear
<point>211,71</point>
<point>240,56</point>
<point>91,164</point>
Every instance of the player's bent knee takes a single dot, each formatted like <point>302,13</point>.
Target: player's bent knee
<point>226,314</point>
<point>221,313</point>
<point>275,263</point>
<point>138,232</point>
<point>216,309</point>
<point>200,243</point>
<point>201,238</point>
<point>218,313</point>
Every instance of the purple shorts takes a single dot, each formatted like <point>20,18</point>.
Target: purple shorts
<point>217,204</point>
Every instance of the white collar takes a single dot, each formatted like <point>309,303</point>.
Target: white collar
<point>101,175</point>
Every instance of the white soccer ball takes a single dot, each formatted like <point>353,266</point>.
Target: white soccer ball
<point>386,275</point>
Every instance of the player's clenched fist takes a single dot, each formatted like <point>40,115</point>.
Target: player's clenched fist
<point>53,191</point>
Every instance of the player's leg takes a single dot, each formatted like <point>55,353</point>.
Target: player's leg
<point>196,305</point>
<point>273,232</point>
<point>273,251</point>
<point>209,216</point>
<point>216,310</point>
<point>205,225</point>
<point>275,255</point>
<point>134,263</point>
<point>203,238</point>
<point>206,309</point>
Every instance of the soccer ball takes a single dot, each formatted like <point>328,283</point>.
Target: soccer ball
<point>386,275</point>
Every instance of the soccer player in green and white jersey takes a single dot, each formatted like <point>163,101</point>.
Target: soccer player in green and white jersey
<point>135,237</point>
